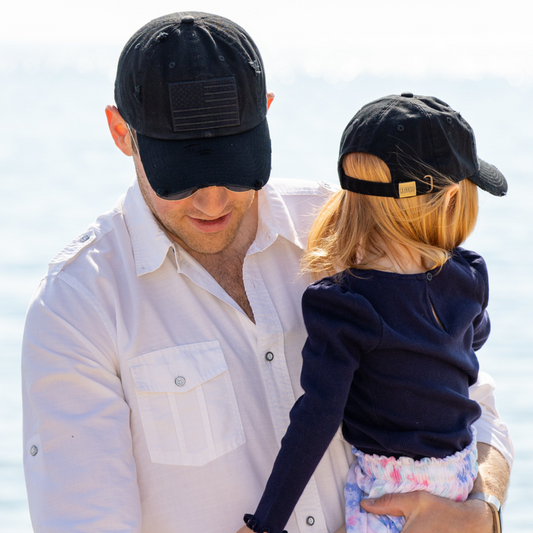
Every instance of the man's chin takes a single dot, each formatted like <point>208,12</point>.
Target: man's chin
<point>206,243</point>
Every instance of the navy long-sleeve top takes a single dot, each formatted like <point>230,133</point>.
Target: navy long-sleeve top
<point>391,356</point>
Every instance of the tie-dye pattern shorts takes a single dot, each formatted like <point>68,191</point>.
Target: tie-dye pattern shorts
<point>372,476</point>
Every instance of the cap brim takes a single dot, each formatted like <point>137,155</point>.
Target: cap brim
<point>490,179</point>
<point>173,166</point>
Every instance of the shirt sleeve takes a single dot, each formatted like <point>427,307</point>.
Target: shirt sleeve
<point>490,428</point>
<point>341,327</point>
<point>78,461</point>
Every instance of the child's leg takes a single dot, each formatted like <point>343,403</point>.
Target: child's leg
<point>360,485</point>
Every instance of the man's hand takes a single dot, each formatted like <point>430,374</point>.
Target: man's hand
<point>425,513</point>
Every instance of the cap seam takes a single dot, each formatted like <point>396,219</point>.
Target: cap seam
<point>427,117</point>
<point>378,122</point>
<point>142,74</point>
<point>243,52</point>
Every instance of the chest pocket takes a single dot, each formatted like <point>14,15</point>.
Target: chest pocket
<point>187,404</point>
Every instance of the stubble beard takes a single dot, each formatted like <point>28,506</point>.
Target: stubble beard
<point>191,240</point>
<point>197,242</point>
<point>203,243</point>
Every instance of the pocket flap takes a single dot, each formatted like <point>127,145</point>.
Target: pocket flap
<point>178,369</point>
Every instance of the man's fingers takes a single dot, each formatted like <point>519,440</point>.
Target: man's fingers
<point>425,512</point>
<point>393,504</point>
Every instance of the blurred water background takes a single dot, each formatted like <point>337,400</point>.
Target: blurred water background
<point>59,169</point>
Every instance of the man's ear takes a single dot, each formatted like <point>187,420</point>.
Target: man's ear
<point>270,99</point>
<point>119,130</point>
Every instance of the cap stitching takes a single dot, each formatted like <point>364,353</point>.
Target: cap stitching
<point>430,126</point>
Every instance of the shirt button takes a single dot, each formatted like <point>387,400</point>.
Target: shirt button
<point>34,450</point>
<point>429,276</point>
<point>310,521</point>
<point>269,356</point>
<point>180,381</point>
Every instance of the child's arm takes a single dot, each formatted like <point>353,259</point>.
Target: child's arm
<point>341,326</point>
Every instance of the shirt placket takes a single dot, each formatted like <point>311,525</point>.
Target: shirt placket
<point>277,381</point>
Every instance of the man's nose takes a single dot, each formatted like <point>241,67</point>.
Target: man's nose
<point>211,200</point>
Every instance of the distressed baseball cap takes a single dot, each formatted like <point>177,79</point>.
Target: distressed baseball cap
<point>192,86</point>
<point>419,138</point>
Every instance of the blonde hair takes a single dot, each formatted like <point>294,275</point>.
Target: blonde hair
<point>351,227</point>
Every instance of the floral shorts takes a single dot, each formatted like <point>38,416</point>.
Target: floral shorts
<point>372,476</point>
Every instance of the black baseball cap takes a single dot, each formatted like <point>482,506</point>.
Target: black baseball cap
<point>192,85</point>
<point>415,136</point>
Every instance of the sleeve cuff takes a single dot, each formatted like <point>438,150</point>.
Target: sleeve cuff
<point>252,524</point>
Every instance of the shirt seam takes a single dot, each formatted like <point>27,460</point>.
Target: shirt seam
<point>80,289</point>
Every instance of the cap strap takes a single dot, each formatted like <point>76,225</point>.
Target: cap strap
<point>404,189</point>
<point>371,188</point>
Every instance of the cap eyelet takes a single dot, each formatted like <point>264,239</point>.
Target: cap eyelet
<point>400,127</point>
<point>172,65</point>
<point>449,120</point>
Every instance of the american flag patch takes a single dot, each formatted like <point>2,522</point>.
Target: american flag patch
<point>202,105</point>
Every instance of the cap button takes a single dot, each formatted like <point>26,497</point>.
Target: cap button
<point>407,95</point>
<point>187,19</point>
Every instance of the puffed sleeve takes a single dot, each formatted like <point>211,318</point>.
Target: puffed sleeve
<point>78,460</point>
<point>479,270</point>
<point>342,327</point>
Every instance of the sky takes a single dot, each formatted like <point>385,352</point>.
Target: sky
<point>335,39</point>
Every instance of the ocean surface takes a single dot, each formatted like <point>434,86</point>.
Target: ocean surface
<point>59,169</point>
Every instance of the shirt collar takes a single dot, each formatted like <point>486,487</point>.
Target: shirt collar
<point>274,221</point>
<point>151,244</point>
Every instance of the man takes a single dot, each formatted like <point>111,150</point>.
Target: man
<point>162,351</point>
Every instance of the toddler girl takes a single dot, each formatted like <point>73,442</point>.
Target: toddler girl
<point>392,331</point>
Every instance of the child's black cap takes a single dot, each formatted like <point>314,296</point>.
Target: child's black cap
<point>414,135</point>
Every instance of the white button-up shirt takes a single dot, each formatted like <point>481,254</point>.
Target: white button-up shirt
<point>151,402</point>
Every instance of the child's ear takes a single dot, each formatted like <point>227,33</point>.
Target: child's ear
<point>450,196</point>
